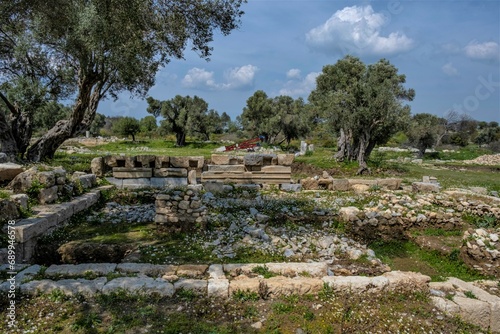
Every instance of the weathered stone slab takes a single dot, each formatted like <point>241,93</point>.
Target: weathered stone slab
<point>282,286</point>
<point>153,270</point>
<point>162,161</point>
<point>132,173</point>
<point>29,228</point>
<point>407,279</point>
<point>292,269</point>
<point>84,201</point>
<point>391,184</point>
<point>97,166</point>
<point>192,270</point>
<point>87,181</point>
<point>28,273</point>
<point>80,270</point>
<point>58,212</point>
<point>253,160</point>
<point>474,311</point>
<point>8,171</point>
<point>118,183</point>
<point>235,269</point>
<point>216,271</point>
<point>163,182</point>
<point>425,187</point>
<point>340,185</point>
<point>187,162</point>
<point>285,159</point>
<point>145,161</point>
<point>136,183</point>
<point>196,285</point>
<point>220,159</point>
<point>444,305</point>
<point>8,209</point>
<point>48,179</point>
<point>141,285</point>
<point>362,181</point>
<point>48,195</point>
<point>227,168</point>
<point>245,284</point>
<point>171,172</point>
<point>357,284</point>
<point>480,294</point>
<point>192,177</point>
<point>291,187</point>
<point>218,288</point>
<point>276,169</point>
<point>69,287</point>
<point>21,200</point>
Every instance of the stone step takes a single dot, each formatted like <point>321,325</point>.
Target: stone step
<point>131,173</point>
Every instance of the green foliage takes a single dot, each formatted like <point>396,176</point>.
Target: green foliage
<point>264,271</point>
<point>127,126</point>
<point>423,131</point>
<point>486,221</point>
<point>244,296</point>
<point>4,194</point>
<point>34,190</point>
<point>148,125</point>
<point>470,294</point>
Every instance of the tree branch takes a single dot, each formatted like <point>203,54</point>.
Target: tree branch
<point>8,104</point>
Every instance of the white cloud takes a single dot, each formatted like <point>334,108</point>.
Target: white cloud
<point>357,30</point>
<point>300,88</point>
<point>237,77</point>
<point>293,73</point>
<point>449,70</point>
<point>240,77</point>
<point>483,51</point>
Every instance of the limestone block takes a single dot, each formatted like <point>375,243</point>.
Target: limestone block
<point>291,187</point>
<point>216,272</point>
<point>192,270</point>
<point>23,180</point>
<point>360,188</point>
<point>495,317</point>
<point>480,294</point>
<point>285,159</point>
<point>276,169</point>
<point>29,228</point>
<point>196,285</point>
<point>8,171</point>
<point>58,212</point>
<point>115,161</point>
<point>48,195</point>
<point>138,183</point>
<point>163,182</point>
<point>131,173</point>
<point>325,183</point>
<point>48,179</point>
<point>309,184</point>
<point>171,172</point>
<point>8,209</point>
<point>235,269</point>
<point>474,311</point>
<point>153,270</point>
<point>220,159</point>
<point>269,159</point>
<point>88,181</point>
<point>341,185</point>
<point>28,273</point>
<point>446,306</point>
<point>21,201</point>
<point>97,166</point>
<point>142,285</point>
<point>116,182</point>
<point>84,201</point>
<point>218,288</point>
<point>349,213</point>
<point>291,269</point>
<point>162,162</point>
<point>187,162</point>
<point>407,279</point>
<point>253,160</point>
<point>192,177</point>
<point>356,284</point>
<point>363,181</point>
<point>245,285</point>
<point>79,270</point>
<point>282,286</point>
<point>145,161</point>
<point>391,184</point>
<point>227,168</point>
<point>425,187</point>
<point>69,287</point>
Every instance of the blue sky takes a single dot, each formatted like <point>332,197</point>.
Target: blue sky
<point>448,50</point>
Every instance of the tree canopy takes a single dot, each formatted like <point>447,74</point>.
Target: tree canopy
<point>423,131</point>
<point>91,50</point>
<point>364,105</point>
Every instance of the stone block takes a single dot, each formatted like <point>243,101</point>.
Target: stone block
<point>116,182</point>
<point>115,161</point>
<point>349,213</point>
<point>474,311</point>
<point>132,173</point>
<point>340,185</point>
<point>141,285</point>
<point>291,187</point>
<point>216,272</point>
<point>48,179</point>
<point>285,159</point>
<point>244,284</point>
<point>48,195</point>
<point>69,287</point>
<point>253,160</point>
<point>391,184</point>
<point>282,286</point>
<point>88,181</point>
<point>153,270</point>
<point>360,188</point>
<point>425,187</point>
<point>192,177</point>
<point>276,169</point>
<point>171,172</point>
<point>292,269</point>
<point>196,162</point>
<point>21,201</point>
<point>220,159</point>
<point>145,161</point>
<point>191,270</point>
<point>198,286</point>
<point>356,284</point>
<point>80,270</point>
<point>8,209</point>
<point>8,171</point>
<point>97,166</point>
<point>138,183</point>
<point>163,182</point>
<point>218,288</point>
<point>162,162</point>
<point>227,168</point>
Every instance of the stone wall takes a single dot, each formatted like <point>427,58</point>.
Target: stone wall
<point>180,210</point>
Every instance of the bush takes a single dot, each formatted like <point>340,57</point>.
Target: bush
<point>495,146</point>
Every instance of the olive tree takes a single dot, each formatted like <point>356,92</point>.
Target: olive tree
<point>364,105</point>
<point>94,49</point>
<point>423,131</point>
